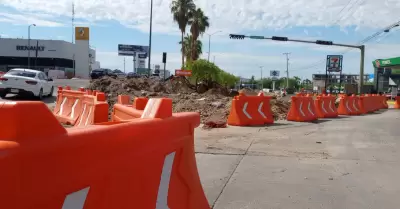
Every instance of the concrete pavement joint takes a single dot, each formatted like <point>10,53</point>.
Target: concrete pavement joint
<point>234,170</point>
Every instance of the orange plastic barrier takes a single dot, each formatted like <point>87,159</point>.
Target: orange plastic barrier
<point>68,105</point>
<point>325,106</point>
<point>250,110</point>
<point>115,165</point>
<point>94,110</point>
<point>302,109</point>
<point>354,105</point>
<point>123,111</point>
<point>397,103</point>
<point>344,106</point>
<point>385,105</point>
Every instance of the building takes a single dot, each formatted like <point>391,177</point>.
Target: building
<point>386,73</point>
<point>318,80</point>
<point>56,58</point>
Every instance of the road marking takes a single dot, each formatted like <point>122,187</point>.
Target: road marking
<point>245,112</point>
<point>76,200</point>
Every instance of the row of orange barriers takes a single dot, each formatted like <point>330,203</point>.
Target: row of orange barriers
<point>250,110</point>
<point>143,158</point>
<point>80,108</point>
<point>305,109</point>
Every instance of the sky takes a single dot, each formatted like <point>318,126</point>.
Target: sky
<point>114,22</point>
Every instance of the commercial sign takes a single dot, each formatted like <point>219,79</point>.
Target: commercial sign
<point>82,33</point>
<point>183,72</point>
<point>142,56</point>
<point>131,50</point>
<point>274,74</point>
<point>31,48</point>
<point>334,63</point>
<point>142,63</point>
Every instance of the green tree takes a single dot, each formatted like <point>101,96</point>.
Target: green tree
<point>181,10</point>
<point>187,45</point>
<point>199,23</point>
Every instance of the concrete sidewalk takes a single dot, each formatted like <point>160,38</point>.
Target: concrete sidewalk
<point>349,162</point>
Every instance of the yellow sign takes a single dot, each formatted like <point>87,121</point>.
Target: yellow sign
<point>82,33</point>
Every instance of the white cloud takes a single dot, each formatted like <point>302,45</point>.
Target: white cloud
<point>226,15</point>
<point>29,18</point>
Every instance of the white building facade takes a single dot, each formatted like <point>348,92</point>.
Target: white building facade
<point>57,58</point>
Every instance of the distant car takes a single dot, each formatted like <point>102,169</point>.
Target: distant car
<point>132,75</point>
<point>99,73</point>
<point>26,82</point>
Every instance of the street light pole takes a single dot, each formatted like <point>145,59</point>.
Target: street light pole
<point>151,29</point>
<point>29,45</point>
<point>209,43</point>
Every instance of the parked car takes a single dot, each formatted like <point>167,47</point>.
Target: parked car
<point>132,75</point>
<point>99,73</point>
<point>26,82</point>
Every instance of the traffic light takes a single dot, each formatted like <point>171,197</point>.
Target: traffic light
<point>235,36</point>
<point>164,57</point>
<point>278,38</point>
<point>324,42</point>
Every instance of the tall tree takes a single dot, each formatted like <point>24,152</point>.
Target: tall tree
<point>189,52</point>
<point>181,10</point>
<point>199,23</point>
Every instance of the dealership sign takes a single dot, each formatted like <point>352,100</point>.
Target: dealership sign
<point>31,48</point>
<point>131,50</point>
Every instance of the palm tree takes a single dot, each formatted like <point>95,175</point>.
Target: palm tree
<point>181,10</point>
<point>189,53</point>
<point>199,23</point>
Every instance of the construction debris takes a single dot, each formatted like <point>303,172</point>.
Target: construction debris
<point>213,105</point>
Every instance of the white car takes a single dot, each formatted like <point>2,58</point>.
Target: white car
<point>26,82</point>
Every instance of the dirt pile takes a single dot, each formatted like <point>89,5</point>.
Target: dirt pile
<point>213,105</point>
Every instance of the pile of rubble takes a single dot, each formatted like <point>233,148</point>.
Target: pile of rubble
<point>213,105</point>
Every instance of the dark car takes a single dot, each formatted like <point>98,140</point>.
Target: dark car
<point>99,73</point>
<point>132,75</point>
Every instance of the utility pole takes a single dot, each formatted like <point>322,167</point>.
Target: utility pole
<point>262,83</point>
<point>124,64</point>
<point>150,34</point>
<point>72,20</point>
<point>287,68</point>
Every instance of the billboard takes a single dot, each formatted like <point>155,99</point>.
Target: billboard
<point>82,33</point>
<point>131,50</point>
<point>334,63</point>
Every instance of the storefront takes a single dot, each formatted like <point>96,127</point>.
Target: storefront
<point>55,57</point>
<point>386,73</point>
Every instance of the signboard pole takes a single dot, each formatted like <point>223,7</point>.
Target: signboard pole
<point>134,64</point>
<point>273,85</point>
<point>164,70</point>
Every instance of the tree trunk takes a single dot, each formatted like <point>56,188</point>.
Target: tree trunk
<point>183,52</point>
<point>194,48</point>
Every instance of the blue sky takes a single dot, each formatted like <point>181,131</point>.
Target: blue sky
<point>126,22</point>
